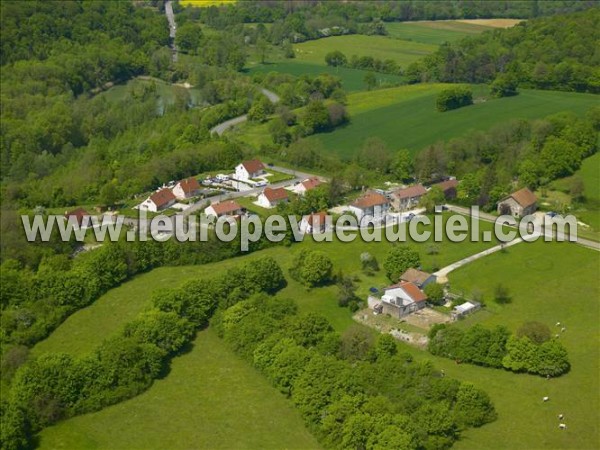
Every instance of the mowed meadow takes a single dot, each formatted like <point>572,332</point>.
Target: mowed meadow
<point>412,121</point>
<point>211,386</point>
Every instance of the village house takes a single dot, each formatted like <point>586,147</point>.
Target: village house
<point>399,300</point>
<point>269,198</point>
<point>249,169</point>
<point>307,185</point>
<point>158,201</point>
<point>449,188</point>
<point>372,204</point>
<point>186,188</point>
<point>418,277</point>
<point>79,215</point>
<point>314,223</point>
<point>407,198</point>
<point>226,208</point>
<point>518,204</point>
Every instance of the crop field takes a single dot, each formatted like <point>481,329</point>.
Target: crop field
<point>381,47</point>
<point>433,32</point>
<point>205,3</point>
<point>494,23</point>
<point>414,123</point>
<point>352,79</point>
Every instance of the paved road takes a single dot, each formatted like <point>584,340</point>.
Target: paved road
<point>224,126</point>
<point>172,28</point>
<point>443,272</point>
<point>491,218</point>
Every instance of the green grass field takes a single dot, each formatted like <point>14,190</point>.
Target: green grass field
<point>352,79</point>
<point>549,282</point>
<point>414,123</point>
<point>589,211</point>
<point>210,399</point>
<point>433,32</point>
<point>165,91</point>
<point>380,47</point>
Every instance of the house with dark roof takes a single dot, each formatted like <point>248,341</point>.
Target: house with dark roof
<point>226,208</point>
<point>518,204</point>
<point>158,201</point>
<point>401,299</point>
<point>269,198</point>
<point>249,169</point>
<point>449,188</point>
<point>372,204</point>
<point>418,277</point>
<point>186,188</point>
<point>407,198</point>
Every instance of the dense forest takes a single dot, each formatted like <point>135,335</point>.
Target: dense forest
<point>559,52</point>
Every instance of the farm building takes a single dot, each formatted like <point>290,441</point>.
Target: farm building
<point>408,198</point>
<point>186,188</point>
<point>399,299</point>
<point>518,204</point>
<point>465,308</point>
<point>448,187</point>
<point>227,208</point>
<point>269,198</point>
<point>307,185</point>
<point>372,204</point>
<point>249,169</point>
<point>418,277</point>
<point>314,223</point>
<point>159,200</point>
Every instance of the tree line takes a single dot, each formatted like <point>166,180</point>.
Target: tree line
<point>532,350</point>
<point>557,52</point>
<point>352,390</point>
<point>56,386</point>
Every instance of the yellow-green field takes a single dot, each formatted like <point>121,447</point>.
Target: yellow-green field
<point>205,3</point>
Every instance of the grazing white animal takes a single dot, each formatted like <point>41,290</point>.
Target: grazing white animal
<point>563,329</point>
<point>558,324</point>
<point>562,426</point>
<point>556,336</point>
<point>561,416</point>
<point>545,399</point>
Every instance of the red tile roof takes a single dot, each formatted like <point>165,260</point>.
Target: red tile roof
<point>162,197</point>
<point>369,200</point>
<point>274,195</point>
<point>226,207</point>
<point>253,166</point>
<point>410,192</point>
<point>189,185</point>
<point>448,184</point>
<point>316,218</point>
<point>416,294</point>
<point>524,197</point>
<point>311,183</point>
<point>78,213</point>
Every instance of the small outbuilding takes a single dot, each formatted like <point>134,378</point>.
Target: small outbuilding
<point>518,204</point>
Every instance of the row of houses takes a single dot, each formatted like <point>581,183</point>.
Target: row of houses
<point>166,197</point>
<point>376,204</point>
